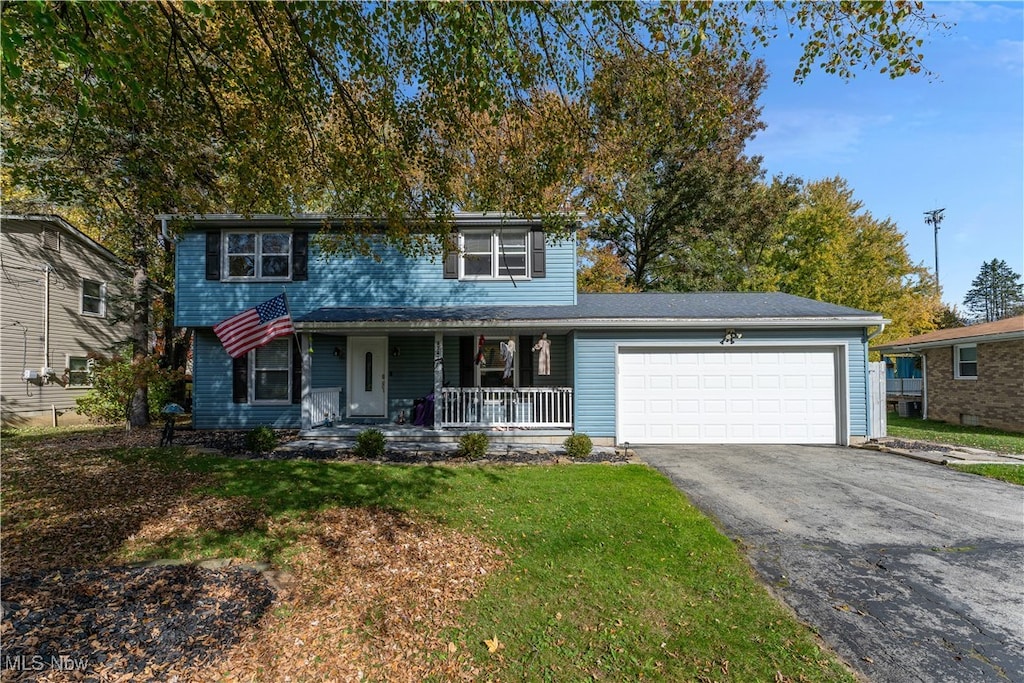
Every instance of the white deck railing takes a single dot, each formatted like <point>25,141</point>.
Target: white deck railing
<point>321,406</point>
<point>904,386</point>
<point>532,407</point>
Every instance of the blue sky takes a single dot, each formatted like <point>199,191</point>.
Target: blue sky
<point>954,140</point>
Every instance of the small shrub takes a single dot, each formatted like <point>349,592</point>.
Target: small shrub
<point>261,440</point>
<point>370,443</point>
<point>474,445</point>
<point>578,445</point>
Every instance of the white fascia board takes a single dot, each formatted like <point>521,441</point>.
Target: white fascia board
<point>466,219</point>
<point>597,323</point>
<point>958,341</point>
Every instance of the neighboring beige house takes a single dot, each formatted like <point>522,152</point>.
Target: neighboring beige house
<point>55,310</point>
<point>972,375</point>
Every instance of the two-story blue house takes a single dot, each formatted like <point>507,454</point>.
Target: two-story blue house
<point>494,336</point>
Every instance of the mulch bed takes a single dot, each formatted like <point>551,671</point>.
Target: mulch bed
<point>118,623</point>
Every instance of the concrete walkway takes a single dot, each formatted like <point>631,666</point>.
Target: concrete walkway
<point>910,571</point>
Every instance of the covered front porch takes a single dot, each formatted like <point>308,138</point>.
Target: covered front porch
<point>437,384</point>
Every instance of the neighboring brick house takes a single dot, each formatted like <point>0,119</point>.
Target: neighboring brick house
<point>972,375</point>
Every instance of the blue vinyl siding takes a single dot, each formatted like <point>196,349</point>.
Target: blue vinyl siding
<point>410,374</point>
<point>353,282</point>
<point>212,407</point>
<point>594,354</point>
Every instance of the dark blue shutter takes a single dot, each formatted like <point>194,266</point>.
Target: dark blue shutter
<point>300,255</point>
<point>538,262</point>
<point>240,379</point>
<point>213,255</point>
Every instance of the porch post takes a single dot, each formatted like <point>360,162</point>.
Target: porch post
<point>307,366</point>
<point>438,377</point>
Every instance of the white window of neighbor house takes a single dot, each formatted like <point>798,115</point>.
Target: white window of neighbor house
<point>79,371</point>
<point>257,255</point>
<point>492,254</point>
<point>965,361</point>
<point>94,298</point>
<point>271,372</point>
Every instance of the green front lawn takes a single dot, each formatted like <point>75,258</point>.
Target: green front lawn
<point>1011,473</point>
<point>958,435</point>
<point>607,573</point>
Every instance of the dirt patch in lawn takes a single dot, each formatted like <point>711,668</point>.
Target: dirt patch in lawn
<point>366,593</point>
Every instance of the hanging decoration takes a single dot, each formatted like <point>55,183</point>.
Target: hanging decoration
<point>543,349</point>
<point>480,352</point>
<point>508,354</point>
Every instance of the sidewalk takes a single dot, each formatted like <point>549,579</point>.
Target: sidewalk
<point>941,454</point>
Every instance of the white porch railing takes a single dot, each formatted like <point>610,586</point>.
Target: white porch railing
<point>532,407</point>
<point>904,386</point>
<point>320,406</point>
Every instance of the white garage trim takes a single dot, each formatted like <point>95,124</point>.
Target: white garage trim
<point>825,367</point>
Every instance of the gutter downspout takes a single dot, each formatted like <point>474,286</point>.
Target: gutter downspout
<point>880,330</point>
<point>46,323</point>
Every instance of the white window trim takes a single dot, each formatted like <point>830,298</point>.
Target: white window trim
<point>495,254</point>
<point>67,364</point>
<point>103,299</point>
<point>956,361</point>
<point>258,260</point>
<point>252,380</point>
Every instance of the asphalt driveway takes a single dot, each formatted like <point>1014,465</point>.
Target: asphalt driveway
<point>910,571</point>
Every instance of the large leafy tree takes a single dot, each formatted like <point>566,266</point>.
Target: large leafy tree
<point>668,173</point>
<point>131,109</point>
<point>996,292</point>
<point>829,248</point>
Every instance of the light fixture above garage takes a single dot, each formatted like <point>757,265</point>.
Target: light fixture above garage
<point>731,336</point>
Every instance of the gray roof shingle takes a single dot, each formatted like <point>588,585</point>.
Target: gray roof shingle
<point>692,306</point>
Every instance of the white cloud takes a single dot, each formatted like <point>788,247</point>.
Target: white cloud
<point>814,135</point>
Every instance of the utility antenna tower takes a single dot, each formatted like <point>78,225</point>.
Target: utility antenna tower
<point>934,217</point>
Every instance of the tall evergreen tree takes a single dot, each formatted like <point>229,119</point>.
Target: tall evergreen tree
<point>996,292</point>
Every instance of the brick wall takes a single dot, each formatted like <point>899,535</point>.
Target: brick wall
<point>995,398</point>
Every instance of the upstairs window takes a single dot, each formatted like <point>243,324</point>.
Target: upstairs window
<point>94,298</point>
<point>494,254</point>
<point>257,255</point>
<point>965,361</point>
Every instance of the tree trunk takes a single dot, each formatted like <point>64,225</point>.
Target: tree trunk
<point>138,415</point>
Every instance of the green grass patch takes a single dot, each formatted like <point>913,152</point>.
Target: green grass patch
<point>1011,473</point>
<point>957,435</point>
<point>610,573</point>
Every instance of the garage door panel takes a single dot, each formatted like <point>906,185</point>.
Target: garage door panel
<point>767,396</point>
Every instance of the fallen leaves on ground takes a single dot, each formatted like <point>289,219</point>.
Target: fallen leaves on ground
<point>368,593</point>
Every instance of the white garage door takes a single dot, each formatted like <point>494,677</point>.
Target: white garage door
<point>763,396</point>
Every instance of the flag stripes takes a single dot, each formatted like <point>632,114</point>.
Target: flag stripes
<point>255,327</point>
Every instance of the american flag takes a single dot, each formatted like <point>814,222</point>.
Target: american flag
<point>254,327</point>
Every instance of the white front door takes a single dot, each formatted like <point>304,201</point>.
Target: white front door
<point>367,376</point>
